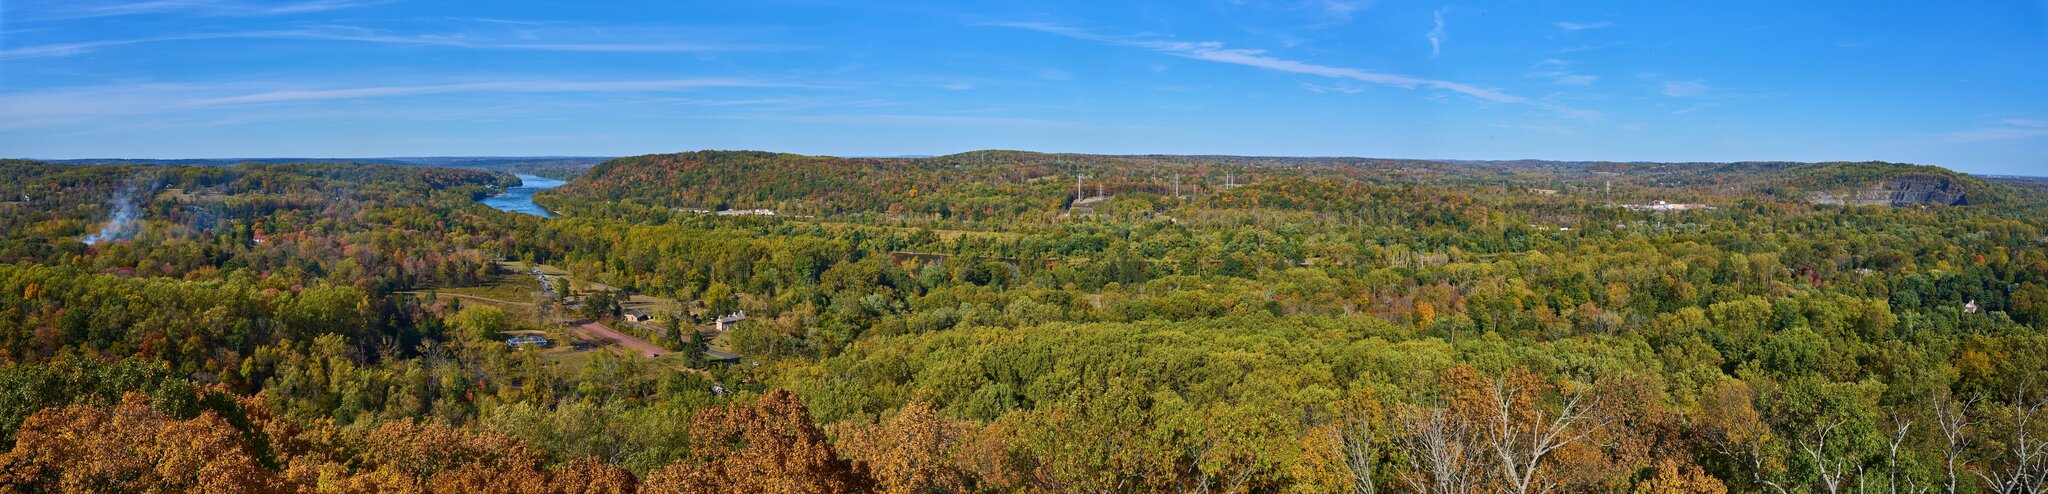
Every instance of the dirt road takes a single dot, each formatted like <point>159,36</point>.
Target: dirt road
<point>599,331</point>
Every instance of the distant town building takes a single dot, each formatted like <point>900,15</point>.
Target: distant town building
<point>730,212</point>
<point>517,342</point>
<point>1664,206</point>
<point>639,315</point>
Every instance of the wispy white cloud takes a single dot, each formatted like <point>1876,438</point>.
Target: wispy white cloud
<point>956,86</point>
<point>1581,26</point>
<point>1685,89</point>
<point>85,104</point>
<point>1590,47</point>
<point>780,103</point>
<point>2014,129</point>
<point>1998,134</point>
<point>1436,36</point>
<point>911,120</point>
<point>1320,13</point>
<point>1216,52</point>
<point>353,34</point>
<point>1052,74</point>
<point>1562,130</point>
<point>1576,79</point>
<point>1318,88</point>
<point>542,86</point>
<point>1559,72</point>
<point>1339,11</point>
<point>222,8</point>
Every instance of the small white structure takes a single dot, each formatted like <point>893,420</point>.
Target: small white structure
<point>725,323</point>
<point>730,212</point>
<point>1660,205</point>
<point>1971,307</point>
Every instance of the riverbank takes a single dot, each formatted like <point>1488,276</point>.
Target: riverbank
<point>520,199</point>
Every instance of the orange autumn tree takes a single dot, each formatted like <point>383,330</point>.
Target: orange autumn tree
<point>769,447</point>
<point>422,457</point>
<point>130,448</point>
<point>917,451</point>
<point>1501,434</point>
<point>1672,478</point>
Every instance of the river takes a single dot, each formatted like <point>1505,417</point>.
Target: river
<point>520,199</point>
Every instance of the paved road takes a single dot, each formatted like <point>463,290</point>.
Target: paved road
<point>621,339</point>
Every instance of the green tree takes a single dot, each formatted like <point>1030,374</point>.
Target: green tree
<point>481,321</point>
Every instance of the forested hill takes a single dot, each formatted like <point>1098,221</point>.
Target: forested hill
<point>964,323</point>
<point>1008,185</point>
<point>722,179</point>
<point>559,167</point>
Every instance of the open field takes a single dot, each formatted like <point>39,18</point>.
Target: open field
<point>522,267</point>
<point>509,287</point>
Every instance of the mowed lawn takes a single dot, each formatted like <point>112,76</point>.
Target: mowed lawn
<point>516,288</point>
<point>522,267</point>
<point>572,361</point>
<point>511,292</point>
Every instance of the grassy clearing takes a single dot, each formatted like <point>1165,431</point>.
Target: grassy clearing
<point>572,362</point>
<point>522,267</point>
<point>517,288</point>
<point>569,361</point>
<point>943,234</point>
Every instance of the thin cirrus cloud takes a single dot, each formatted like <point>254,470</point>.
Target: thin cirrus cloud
<point>1581,26</point>
<point>911,120</point>
<point>484,87</point>
<point>1559,72</point>
<point>75,105</point>
<point>1436,36</point>
<point>2014,129</point>
<point>1213,51</point>
<point>222,8</point>
<point>1339,11</point>
<point>351,34</point>
<point>1685,89</point>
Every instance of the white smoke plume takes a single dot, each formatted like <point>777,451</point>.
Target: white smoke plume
<point>122,224</point>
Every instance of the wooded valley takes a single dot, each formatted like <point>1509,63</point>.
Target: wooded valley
<point>1007,321</point>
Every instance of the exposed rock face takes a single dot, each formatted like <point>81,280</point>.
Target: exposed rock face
<point>1901,191</point>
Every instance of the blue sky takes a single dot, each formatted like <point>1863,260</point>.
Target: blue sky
<point>1956,84</point>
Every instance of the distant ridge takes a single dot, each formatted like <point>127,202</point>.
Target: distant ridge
<point>453,161</point>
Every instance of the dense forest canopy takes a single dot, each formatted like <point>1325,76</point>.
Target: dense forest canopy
<point>1007,321</point>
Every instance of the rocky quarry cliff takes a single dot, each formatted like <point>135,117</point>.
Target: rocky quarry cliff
<point>1901,191</point>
